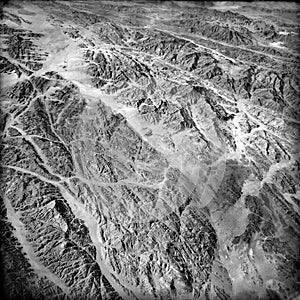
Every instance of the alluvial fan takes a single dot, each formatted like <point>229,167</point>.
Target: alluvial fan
<point>150,150</point>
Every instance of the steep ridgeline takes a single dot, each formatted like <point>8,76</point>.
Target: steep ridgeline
<point>149,150</point>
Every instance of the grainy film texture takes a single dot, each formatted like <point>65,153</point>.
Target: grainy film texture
<point>149,150</point>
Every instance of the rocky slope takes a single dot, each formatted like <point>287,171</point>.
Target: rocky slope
<point>149,150</point>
